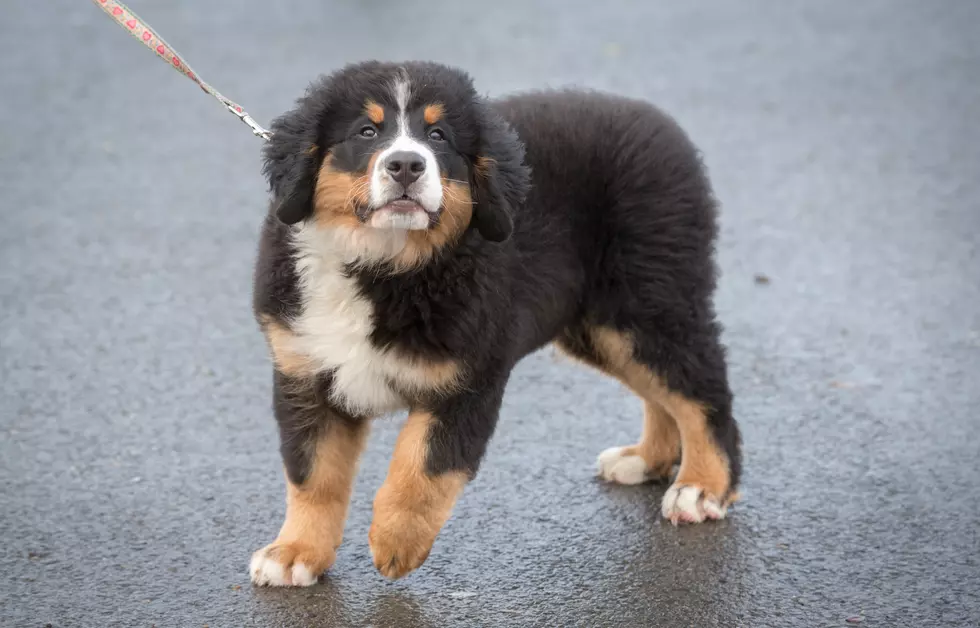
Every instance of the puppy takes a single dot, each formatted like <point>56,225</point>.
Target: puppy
<point>421,240</point>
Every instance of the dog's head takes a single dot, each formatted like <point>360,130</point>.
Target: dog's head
<point>396,162</point>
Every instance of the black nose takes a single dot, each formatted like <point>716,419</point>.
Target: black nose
<point>405,167</point>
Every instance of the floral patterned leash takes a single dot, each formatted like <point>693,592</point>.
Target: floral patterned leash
<point>141,31</point>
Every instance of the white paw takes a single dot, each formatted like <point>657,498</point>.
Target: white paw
<point>685,503</point>
<point>266,569</point>
<point>615,466</point>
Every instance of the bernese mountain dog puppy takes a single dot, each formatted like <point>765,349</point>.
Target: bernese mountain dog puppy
<point>422,239</point>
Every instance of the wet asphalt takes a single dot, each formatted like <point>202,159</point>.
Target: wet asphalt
<point>138,459</point>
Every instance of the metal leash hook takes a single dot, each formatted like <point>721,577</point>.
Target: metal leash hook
<point>142,32</point>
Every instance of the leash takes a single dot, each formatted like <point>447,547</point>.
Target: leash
<point>142,32</point>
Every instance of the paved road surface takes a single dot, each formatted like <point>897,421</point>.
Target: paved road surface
<point>138,461</point>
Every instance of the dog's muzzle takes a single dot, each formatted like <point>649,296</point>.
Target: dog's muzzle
<point>406,192</point>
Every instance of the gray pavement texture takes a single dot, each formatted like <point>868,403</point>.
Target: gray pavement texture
<point>138,459</point>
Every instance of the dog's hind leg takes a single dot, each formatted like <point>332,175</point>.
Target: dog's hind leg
<point>659,447</point>
<point>688,407</point>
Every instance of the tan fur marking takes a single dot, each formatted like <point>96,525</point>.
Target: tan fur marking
<point>433,113</point>
<point>429,375</point>
<point>484,164</point>
<point>312,149</point>
<point>281,343</point>
<point>660,442</point>
<point>337,196</point>
<point>374,112</point>
<point>317,509</point>
<point>703,463</point>
<point>411,506</point>
<point>440,375</point>
<point>457,211</point>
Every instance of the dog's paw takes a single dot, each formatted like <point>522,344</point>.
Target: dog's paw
<point>622,466</point>
<point>688,503</point>
<point>284,564</point>
<point>401,544</point>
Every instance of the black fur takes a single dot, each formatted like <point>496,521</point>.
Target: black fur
<point>502,183</point>
<point>608,219</point>
<point>303,411</point>
<point>276,291</point>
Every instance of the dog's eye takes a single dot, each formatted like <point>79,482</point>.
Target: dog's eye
<point>368,132</point>
<point>436,135</point>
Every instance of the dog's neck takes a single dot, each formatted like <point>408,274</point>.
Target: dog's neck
<point>349,247</point>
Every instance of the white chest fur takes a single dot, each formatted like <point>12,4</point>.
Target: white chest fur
<point>333,332</point>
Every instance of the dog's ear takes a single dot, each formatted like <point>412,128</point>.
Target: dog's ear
<point>498,177</point>
<point>292,158</point>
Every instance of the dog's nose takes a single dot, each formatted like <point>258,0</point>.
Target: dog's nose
<point>405,167</point>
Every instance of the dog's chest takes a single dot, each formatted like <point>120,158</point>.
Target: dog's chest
<point>333,332</point>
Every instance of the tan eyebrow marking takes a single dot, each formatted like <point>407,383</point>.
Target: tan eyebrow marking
<point>433,113</point>
<point>374,112</point>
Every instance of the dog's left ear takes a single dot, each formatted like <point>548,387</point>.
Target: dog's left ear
<point>499,179</point>
<point>291,159</point>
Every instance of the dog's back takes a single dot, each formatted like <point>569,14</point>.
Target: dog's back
<point>620,218</point>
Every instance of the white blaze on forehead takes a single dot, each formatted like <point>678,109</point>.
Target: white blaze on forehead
<point>427,191</point>
<point>402,94</point>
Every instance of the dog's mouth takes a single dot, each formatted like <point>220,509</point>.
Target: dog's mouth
<point>401,213</point>
<point>403,205</point>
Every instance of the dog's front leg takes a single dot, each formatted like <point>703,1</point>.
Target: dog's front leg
<point>320,447</point>
<point>436,454</point>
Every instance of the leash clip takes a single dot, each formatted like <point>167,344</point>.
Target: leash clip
<point>257,129</point>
